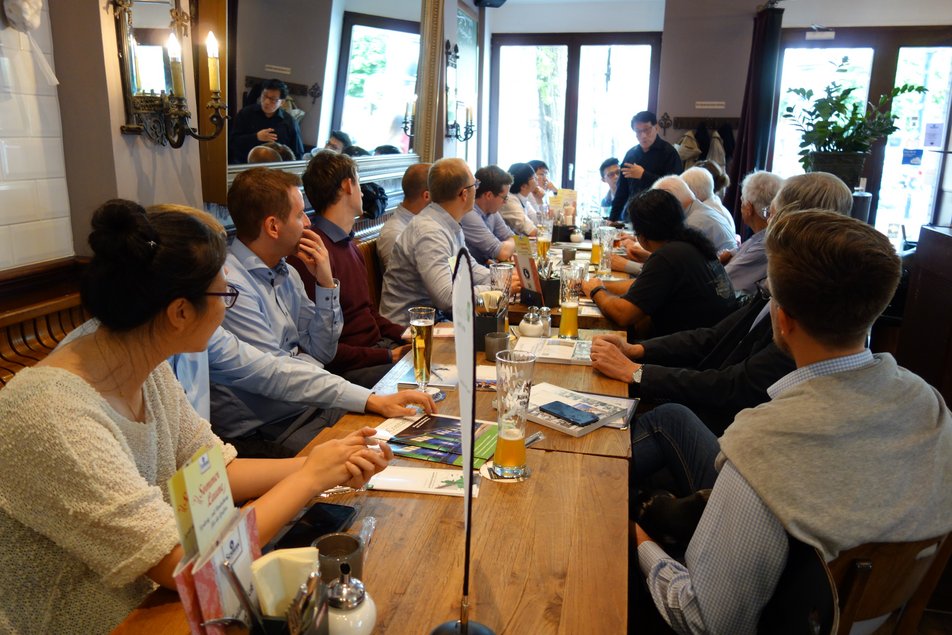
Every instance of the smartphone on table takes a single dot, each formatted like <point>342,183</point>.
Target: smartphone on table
<point>568,413</point>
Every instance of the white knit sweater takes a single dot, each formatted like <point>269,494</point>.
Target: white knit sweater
<point>84,509</point>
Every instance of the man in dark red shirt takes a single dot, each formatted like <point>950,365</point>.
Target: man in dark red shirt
<point>369,344</point>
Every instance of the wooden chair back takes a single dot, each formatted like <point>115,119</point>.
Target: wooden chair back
<point>877,579</point>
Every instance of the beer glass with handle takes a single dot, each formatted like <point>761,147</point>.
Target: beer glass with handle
<point>513,384</point>
<point>421,334</point>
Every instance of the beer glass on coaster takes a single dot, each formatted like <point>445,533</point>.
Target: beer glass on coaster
<point>569,289</point>
<point>513,383</point>
<point>421,334</point>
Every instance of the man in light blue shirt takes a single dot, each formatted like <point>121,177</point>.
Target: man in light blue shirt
<point>706,220</point>
<point>488,237</point>
<point>748,266</point>
<point>416,196</point>
<point>422,262</point>
<point>273,313</point>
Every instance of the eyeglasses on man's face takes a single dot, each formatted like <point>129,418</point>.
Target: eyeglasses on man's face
<point>474,184</point>
<point>229,297</point>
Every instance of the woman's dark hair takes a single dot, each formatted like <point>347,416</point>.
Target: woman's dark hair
<point>142,263</point>
<point>521,173</point>
<point>657,215</point>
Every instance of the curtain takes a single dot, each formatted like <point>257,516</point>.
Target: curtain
<point>755,130</point>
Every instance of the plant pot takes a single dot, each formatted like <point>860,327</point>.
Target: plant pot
<point>846,165</point>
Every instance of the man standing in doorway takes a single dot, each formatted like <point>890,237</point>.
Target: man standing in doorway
<point>644,164</point>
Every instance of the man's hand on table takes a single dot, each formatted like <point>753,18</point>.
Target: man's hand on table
<point>394,405</point>
<point>608,358</point>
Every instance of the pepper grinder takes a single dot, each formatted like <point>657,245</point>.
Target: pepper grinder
<point>351,609</point>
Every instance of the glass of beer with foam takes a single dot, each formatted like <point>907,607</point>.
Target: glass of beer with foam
<point>569,288</point>
<point>421,334</point>
<point>513,383</point>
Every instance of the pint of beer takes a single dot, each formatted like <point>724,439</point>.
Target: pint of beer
<point>569,289</point>
<point>513,383</point>
<point>421,334</point>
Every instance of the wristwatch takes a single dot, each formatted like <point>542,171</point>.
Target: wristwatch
<point>636,376</point>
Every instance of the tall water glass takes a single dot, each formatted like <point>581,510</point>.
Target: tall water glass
<point>606,238</point>
<point>513,384</point>
<point>569,289</point>
<point>421,334</point>
<point>500,277</point>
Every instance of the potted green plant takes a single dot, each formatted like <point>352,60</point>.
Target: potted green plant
<point>837,130</point>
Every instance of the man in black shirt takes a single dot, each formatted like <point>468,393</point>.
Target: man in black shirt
<point>265,121</point>
<point>644,164</point>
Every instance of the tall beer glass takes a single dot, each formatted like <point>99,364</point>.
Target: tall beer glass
<point>543,239</point>
<point>569,288</point>
<point>513,383</point>
<point>421,334</point>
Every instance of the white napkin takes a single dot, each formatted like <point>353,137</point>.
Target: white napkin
<point>278,576</point>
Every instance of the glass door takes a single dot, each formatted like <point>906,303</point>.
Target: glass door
<point>532,91</point>
<point>613,85</point>
<point>912,159</point>
<point>568,100</point>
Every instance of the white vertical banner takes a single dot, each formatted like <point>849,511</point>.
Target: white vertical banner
<point>464,326</point>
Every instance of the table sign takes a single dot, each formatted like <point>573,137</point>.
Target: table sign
<point>464,321</point>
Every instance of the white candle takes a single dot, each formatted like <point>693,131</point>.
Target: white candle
<point>214,76</point>
<point>178,75</point>
<point>413,107</point>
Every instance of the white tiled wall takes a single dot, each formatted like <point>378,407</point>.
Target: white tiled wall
<point>34,206</point>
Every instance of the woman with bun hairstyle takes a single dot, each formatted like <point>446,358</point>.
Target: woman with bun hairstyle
<point>682,285</point>
<point>91,434</point>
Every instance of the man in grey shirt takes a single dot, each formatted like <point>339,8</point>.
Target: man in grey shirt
<point>416,196</point>
<point>422,262</point>
<point>706,220</point>
<point>488,237</point>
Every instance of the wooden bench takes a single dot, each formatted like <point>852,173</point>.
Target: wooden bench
<point>39,305</point>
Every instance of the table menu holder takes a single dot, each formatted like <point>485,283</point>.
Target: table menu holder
<point>463,303</point>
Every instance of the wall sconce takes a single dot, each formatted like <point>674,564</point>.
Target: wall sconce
<point>163,116</point>
<point>453,128</point>
<point>409,117</point>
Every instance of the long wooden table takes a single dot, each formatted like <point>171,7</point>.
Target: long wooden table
<point>549,553</point>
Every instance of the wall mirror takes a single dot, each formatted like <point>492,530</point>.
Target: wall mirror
<point>143,28</point>
<point>311,38</point>
<point>370,42</point>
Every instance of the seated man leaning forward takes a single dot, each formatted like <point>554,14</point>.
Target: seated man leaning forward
<point>718,229</point>
<point>851,449</point>
<point>422,262</point>
<point>488,237</point>
<point>369,343</point>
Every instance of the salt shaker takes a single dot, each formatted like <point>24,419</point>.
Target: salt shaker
<point>545,317</point>
<point>350,608</point>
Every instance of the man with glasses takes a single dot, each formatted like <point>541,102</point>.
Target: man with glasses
<point>422,262</point>
<point>488,237</point>
<point>645,163</point>
<point>264,122</point>
<point>610,172</point>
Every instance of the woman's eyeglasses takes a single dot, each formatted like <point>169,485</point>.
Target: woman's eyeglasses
<point>228,297</point>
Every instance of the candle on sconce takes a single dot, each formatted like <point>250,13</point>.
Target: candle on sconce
<point>214,75</point>
<point>178,75</point>
<point>134,54</point>
<point>413,107</point>
<point>469,115</point>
